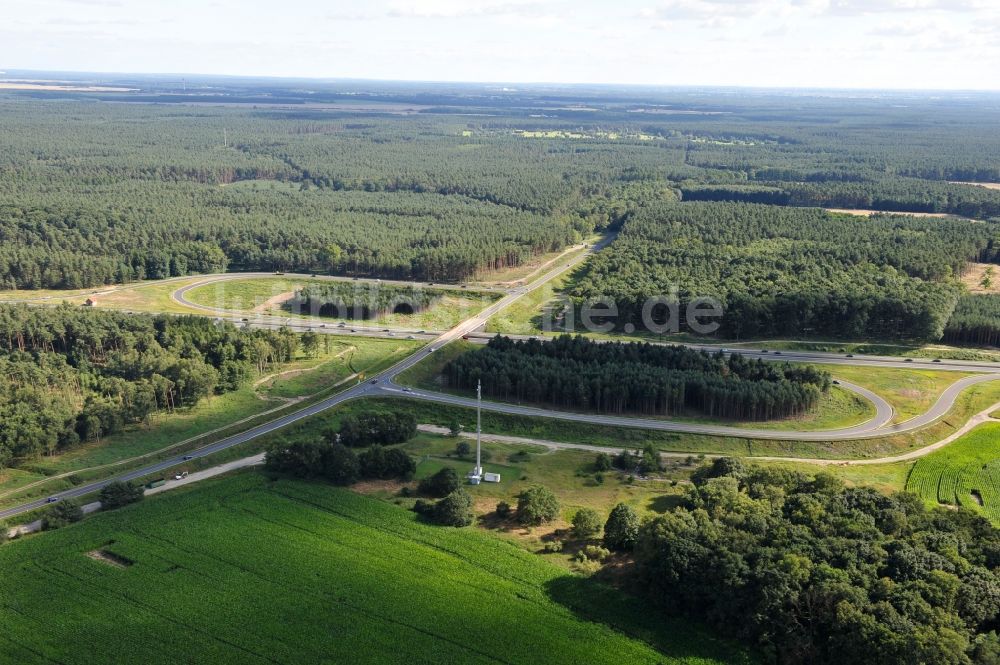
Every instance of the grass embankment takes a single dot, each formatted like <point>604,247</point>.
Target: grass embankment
<point>911,392</point>
<point>306,573</point>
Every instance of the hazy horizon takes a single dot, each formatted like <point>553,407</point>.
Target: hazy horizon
<point>788,44</point>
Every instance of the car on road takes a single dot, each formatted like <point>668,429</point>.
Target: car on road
<point>410,337</point>
<point>936,360</point>
<point>188,457</point>
<point>907,360</point>
<point>52,499</point>
<point>407,390</point>
<point>777,353</point>
<point>763,350</point>
<point>373,381</point>
<point>849,355</point>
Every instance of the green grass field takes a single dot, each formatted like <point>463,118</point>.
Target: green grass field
<point>266,294</point>
<point>909,391</point>
<point>246,570</point>
<point>964,473</point>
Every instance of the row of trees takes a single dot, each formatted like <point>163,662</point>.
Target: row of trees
<point>644,378</point>
<point>351,301</point>
<point>809,571</point>
<point>375,427</point>
<point>69,374</point>
<point>976,320</point>
<point>790,271</point>
<point>338,464</point>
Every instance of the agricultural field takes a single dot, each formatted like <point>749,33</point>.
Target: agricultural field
<point>964,473</point>
<point>302,573</point>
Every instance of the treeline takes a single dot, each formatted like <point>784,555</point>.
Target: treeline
<point>809,571</point>
<point>976,320</point>
<point>577,373</point>
<point>69,374</point>
<point>331,457</point>
<point>353,301</point>
<point>790,271</point>
<point>58,241</point>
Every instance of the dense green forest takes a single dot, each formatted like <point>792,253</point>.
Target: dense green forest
<point>350,300</point>
<point>69,374</point>
<point>813,572</point>
<point>791,271</point>
<point>476,181</point>
<point>976,320</point>
<point>578,373</point>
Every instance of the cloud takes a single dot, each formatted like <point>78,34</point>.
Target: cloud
<point>463,8</point>
<point>863,7</point>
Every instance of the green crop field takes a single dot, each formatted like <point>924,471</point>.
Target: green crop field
<point>964,473</point>
<point>247,570</point>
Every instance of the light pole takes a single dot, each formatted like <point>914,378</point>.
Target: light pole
<point>476,475</point>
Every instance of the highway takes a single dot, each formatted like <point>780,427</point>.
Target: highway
<point>383,385</point>
<point>374,387</point>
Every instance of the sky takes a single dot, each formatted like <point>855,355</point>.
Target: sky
<point>911,44</point>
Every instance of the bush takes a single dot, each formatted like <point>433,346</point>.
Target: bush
<point>651,462</point>
<point>463,449</point>
<point>536,505</point>
<point>455,428</point>
<point>118,494</point>
<point>423,507</point>
<point>503,509</point>
<point>603,462</point>
<point>455,509</point>
<point>553,546</point>
<point>622,528</point>
<point>442,483</point>
<point>366,429</point>
<point>586,523</point>
<point>626,460</point>
<point>593,553</point>
<point>60,514</point>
